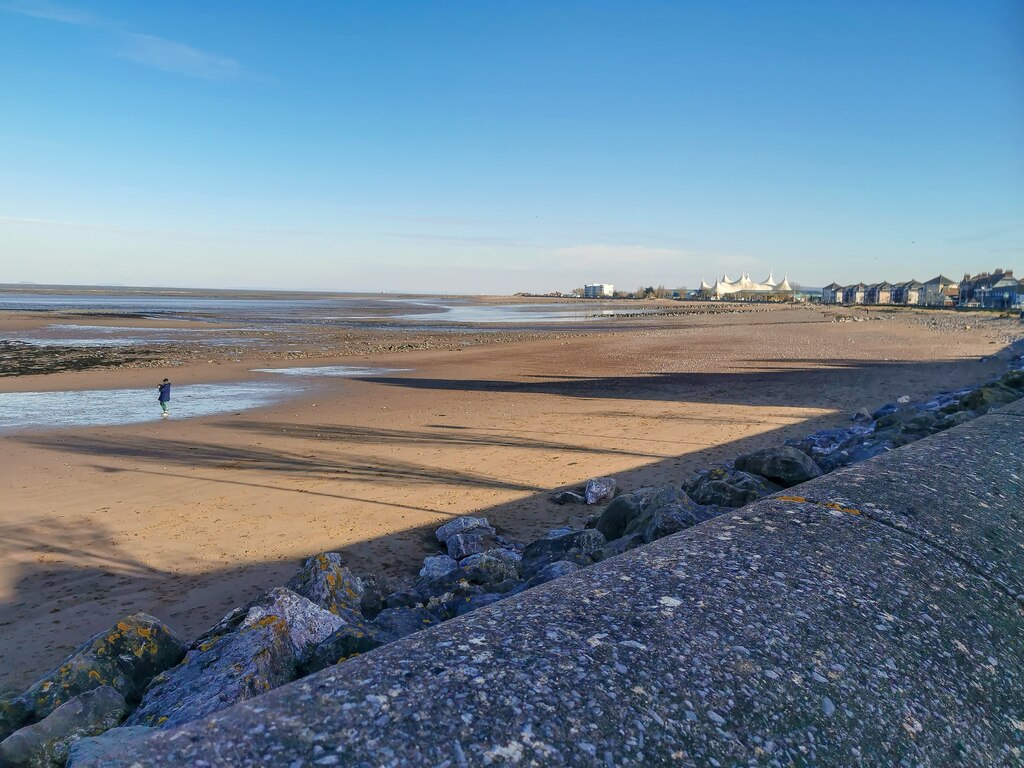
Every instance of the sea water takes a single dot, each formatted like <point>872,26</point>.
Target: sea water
<point>110,407</point>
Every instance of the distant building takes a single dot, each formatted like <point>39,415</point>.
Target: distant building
<point>747,289</point>
<point>939,292</point>
<point>854,294</point>
<point>832,294</point>
<point>598,291</point>
<point>878,293</point>
<point>998,290</point>
<point>907,294</point>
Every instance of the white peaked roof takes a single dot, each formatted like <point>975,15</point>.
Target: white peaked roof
<point>725,286</point>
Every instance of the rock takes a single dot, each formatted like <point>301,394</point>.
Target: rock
<point>495,564</point>
<point>599,489</point>
<point>861,416</point>
<point>477,601</point>
<point>14,713</point>
<point>462,545</point>
<point>349,641</point>
<point>1013,380</point>
<point>400,622</point>
<point>506,543</point>
<point>983,398</point>
<point>46,744</point>
<point>579,548</point>
<point>955,419</point>
<point>621,545</point>
<point>307,623</point>
<point>462,525</point>
<point>568,497</point>
<point>828,441</point>
<point>375,589</point>
<point>626,508</point>
<point>326,581</point>
<point>729,488</point>
<point>853,454</point>
<point>550,572</point>
<point>885,410</point>
<point>252,650</point>
<point>437,565</point>
<point>781,464</point>
<point>406,598</point>
<point>126,657</point>
<point>672,518</point>
<point>98,750</point>
<point>557,533</point>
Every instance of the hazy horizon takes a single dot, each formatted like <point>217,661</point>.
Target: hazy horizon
<point>491,148</point>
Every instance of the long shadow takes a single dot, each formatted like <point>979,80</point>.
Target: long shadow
<point>755,386</point>
<point>477,438</point>
<point>64,603</point>
<point>214,456</point>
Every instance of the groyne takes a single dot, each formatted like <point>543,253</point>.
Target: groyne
<point>872,616</point>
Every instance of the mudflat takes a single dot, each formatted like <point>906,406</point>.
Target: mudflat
<point>188,518</point>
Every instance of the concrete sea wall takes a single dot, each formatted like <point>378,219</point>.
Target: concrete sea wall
<point>873,616</point>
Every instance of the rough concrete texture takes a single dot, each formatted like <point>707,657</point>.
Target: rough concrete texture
<point>962,491</point>
<point>785,633</point>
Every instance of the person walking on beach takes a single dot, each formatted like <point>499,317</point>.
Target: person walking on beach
<point>165,397</point>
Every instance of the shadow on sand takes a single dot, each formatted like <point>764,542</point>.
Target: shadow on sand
<point>113,582</point>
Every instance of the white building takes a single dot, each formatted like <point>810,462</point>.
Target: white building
<point>746,288</point>
<point>598,291</point>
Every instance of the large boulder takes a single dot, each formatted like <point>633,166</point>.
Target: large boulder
<point>622,511</point>
<point>399,622</point>
<point>126,657</point>
<point>582,548</point>
<point>856,452</point>
<point>14,713</point>
<point>463,525</point>
<point>666,519</point>
<point>985,398</point>
<point>473,542</point>
<point>437,565</point>
<point>351,640</point>
<point>492,566</point>
<point>252,650</point>
<point>325,580</point>
<point>781,464</point>
<point>46,744</point>
<point>97,750</point>
<point>729,488</point>
<point>1013,380</point>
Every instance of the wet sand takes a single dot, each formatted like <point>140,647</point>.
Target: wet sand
<point>186,519</point>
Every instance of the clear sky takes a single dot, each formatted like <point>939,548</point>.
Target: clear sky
<point>496,146</point>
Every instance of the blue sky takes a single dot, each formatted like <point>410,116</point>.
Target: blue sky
<point>504,146</point>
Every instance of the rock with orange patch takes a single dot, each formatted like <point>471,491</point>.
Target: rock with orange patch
<point>45,744</point>
<point>326,581</point>
<point>125,657</point>
<point>252,650</point>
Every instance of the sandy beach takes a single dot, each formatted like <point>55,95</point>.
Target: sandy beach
<point>188,518</point>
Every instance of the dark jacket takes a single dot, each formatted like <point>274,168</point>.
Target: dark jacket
<point>165,392</point>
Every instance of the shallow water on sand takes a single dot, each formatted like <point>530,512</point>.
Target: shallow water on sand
<point>108,407</point>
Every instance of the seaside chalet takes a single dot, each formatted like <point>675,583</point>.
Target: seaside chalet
<point>998,290</point>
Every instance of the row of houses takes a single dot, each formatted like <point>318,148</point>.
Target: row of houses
<point>996,290</point>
